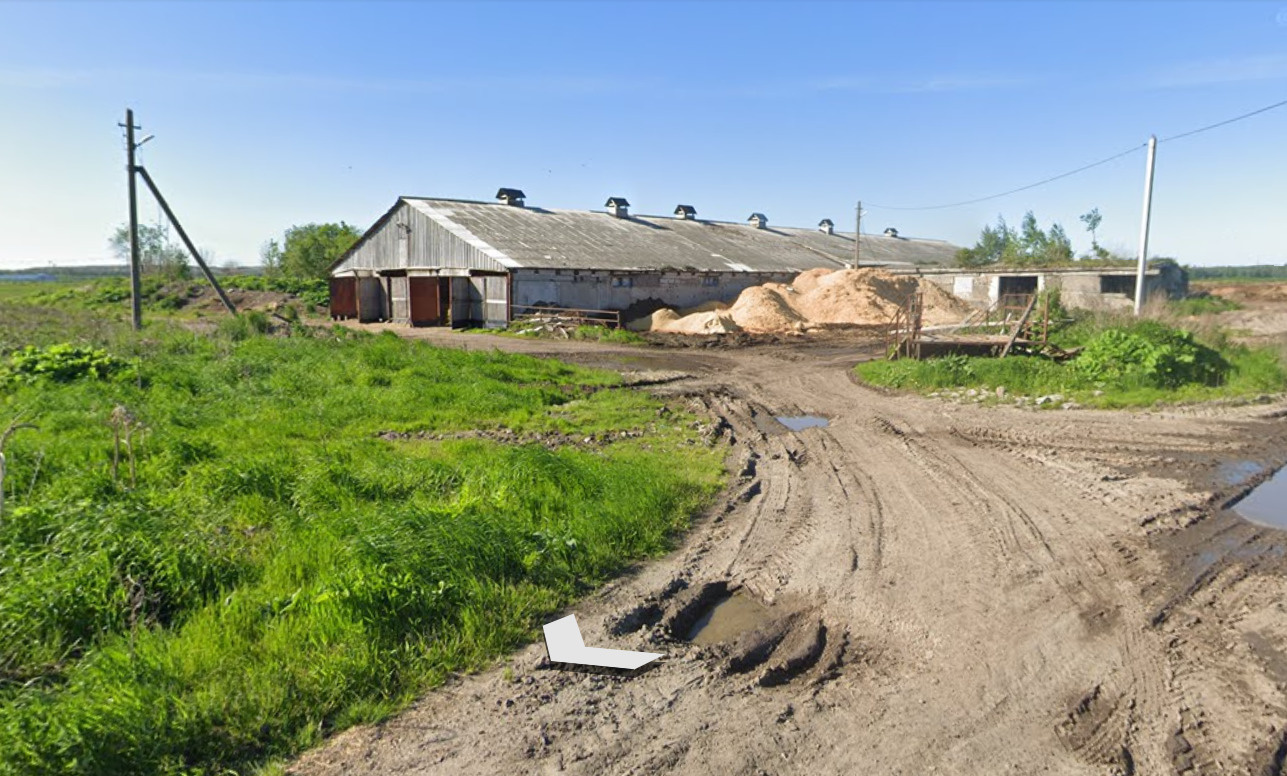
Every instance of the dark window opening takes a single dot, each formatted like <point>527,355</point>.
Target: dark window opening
<point>1117,284</point>
<point>1013,285</point>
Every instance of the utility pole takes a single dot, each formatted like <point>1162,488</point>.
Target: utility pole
<point>857,230</point>
<point>136,301</point>
<point>1141,271</point>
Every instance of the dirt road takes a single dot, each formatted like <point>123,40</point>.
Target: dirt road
<point>950,589</point>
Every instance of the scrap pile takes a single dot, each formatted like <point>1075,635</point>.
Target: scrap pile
<point>815,299</point>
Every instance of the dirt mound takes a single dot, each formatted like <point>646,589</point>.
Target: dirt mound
<point>701,323</point>
<point>705,307</point>
<point>808,280</point>
<point>1246,292</point>
<point>819,297</point>
<point>940,307</point>
<point>765,309</point>
<point>656,321</point>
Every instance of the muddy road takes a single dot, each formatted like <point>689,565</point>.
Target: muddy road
<point>937,588</point>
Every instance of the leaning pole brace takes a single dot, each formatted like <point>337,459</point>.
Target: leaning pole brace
<point>151,184</point>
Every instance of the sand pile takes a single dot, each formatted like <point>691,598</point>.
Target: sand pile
<point>702,323</point>
<point>815,298</point>
<point>766,309</point>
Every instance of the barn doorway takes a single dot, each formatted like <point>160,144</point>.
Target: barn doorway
<point>430,300</point>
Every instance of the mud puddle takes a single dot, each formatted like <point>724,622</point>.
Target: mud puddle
<point>1237,472</point>
<point>1266,504</point>
<point>801,422</point>
<point>728,618</point>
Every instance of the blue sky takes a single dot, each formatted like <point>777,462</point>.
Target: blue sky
<point>273,114</point>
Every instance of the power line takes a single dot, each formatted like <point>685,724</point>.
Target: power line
<point>1103,161</point>
<point>1222,123</point>
<point>1052,179</point>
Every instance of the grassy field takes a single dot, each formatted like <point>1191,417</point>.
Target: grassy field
<point>259,566</point>
<point>1123,362</point>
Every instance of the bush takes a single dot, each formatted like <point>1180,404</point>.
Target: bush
<point>1151,354</point>
<point>62,363</point>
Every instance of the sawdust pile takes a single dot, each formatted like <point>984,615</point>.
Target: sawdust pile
<point>815,298</point>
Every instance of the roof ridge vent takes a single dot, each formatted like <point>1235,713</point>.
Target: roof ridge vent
<point>758,220</point>
<point>512,197</point>
<point>827,226</point>
<point>891,232</point>
<point>686,212</point>
<point>618,206</point>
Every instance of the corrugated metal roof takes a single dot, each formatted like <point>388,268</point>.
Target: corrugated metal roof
<point>531,237</point>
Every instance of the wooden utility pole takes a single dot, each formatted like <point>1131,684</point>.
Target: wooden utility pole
<point>136,301</point>
<point>857,230</point>
<point>1142,271</point>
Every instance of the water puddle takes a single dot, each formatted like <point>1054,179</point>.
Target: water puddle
<point>1237,472</point>
<point>729,618</point>
<point>1267,502</point>
<point>801,422</point>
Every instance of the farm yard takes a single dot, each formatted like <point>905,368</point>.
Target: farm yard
<point>329,549</point>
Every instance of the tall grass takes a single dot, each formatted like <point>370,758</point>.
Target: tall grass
<point>279,571</point>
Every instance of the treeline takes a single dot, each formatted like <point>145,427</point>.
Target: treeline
<point>1254,271</point>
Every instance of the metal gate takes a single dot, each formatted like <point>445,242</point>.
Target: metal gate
<point>344,297</point>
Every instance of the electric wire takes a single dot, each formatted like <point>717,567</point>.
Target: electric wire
<point>1083,168</point>
<point>1222,123</point>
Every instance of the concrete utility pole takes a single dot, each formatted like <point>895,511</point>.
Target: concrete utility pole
<point>857,230</point>
<point>136,301</point>
<point>1148,208</point>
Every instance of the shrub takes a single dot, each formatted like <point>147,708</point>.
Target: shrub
<point>1152,354</point>
<point>62,363</point>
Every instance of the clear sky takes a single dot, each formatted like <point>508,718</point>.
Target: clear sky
<point>273,114</point>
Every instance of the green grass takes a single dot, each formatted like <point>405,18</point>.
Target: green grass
<point>1213,368</point>
<point>1202,305</point>
<point>277,571</point>
<point>591,333</point>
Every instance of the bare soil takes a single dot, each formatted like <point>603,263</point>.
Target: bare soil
<point>946,588</point>
<point>1263,319</point>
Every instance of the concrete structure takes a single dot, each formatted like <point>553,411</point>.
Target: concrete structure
<point>1092,288</point>
<point>464,262</point>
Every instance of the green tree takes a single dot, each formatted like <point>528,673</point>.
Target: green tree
<point>991,247</point>
<point>1092,220</point>
<point>270,255</point>
<point>308,251</point>
<point>1057,248</point>
<point>157,254</point>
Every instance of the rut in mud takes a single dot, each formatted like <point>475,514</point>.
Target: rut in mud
<point>927,587</point>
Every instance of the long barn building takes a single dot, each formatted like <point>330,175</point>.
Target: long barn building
<point>440,262</point>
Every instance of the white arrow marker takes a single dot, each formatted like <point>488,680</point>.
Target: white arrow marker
<point>563,641</point>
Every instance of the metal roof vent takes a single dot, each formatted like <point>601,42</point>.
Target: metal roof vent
<point>513,197</point>
<point>891,232</point>
<point>618,206</point>
<point>686,212</point>
<point>759,221</point>
<point>826,226</point>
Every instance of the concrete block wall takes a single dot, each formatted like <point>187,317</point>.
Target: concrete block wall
<point>603,290</point>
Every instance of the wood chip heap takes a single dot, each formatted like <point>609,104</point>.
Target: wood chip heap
<point>816,298</point>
